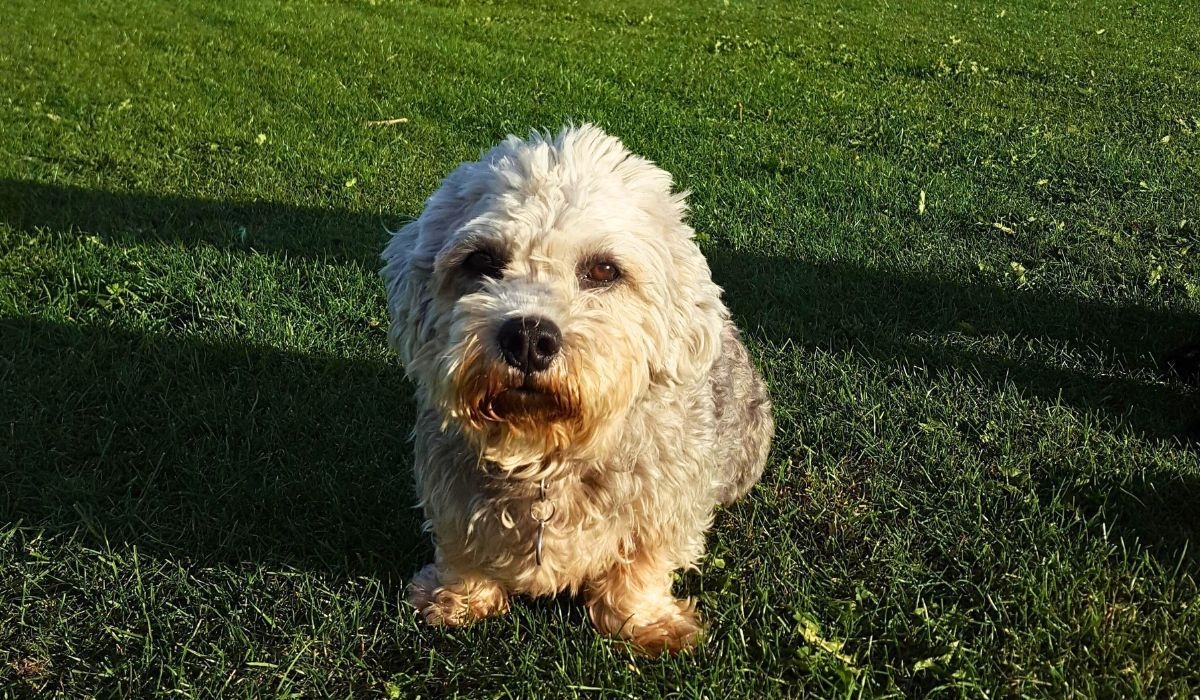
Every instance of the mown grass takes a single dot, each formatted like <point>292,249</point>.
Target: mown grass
<point>982,482</point>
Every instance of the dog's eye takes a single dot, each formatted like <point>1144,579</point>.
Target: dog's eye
<point>483,263</point>
<point>602,273</point>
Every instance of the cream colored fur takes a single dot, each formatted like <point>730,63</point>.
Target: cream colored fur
<point>658,416</point>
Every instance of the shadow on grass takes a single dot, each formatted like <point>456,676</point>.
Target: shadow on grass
<point>224,450</point>
<point>891,317</point>
<point>305,232</point>
<point>901,319</point>
<point>211,451</point>
<point>1156,512</point>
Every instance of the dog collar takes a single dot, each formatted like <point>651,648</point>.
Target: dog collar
<point>541,510</point>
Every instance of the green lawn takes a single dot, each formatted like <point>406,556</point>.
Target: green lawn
<point>958,237</point>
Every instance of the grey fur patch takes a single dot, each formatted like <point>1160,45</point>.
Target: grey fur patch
<point>744,421</point>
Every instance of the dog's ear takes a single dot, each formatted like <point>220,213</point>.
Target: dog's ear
<point>409,259</point>
<point>406,274</point>
<point>694,318</point>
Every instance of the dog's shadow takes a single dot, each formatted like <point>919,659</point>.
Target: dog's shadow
<point>223,450</point>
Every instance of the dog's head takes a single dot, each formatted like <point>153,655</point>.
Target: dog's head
<point>544,290</point>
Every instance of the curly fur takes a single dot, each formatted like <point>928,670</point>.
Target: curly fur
<point>654,414</point>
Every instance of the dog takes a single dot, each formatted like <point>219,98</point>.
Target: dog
<point>584,400</point>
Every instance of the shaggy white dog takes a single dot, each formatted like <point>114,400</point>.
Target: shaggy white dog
<point>584,400</point>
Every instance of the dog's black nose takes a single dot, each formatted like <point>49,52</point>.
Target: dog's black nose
<point>529,343</point>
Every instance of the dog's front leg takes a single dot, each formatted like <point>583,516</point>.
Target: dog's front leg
<point>446,597</point>
<point>633,601</point>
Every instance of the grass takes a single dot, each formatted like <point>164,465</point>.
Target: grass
<point>957,236</point>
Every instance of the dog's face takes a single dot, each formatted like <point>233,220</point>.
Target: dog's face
<point>544,290</point>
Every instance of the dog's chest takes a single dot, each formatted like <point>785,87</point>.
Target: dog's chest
<point>547,541</point>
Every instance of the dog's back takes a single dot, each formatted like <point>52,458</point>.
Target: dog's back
<point>744,421</point>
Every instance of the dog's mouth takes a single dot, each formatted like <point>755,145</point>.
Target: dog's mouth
<point>524,402</point>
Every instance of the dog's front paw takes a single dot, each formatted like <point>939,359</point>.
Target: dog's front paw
<point>442,599</point>
<point>668,627</point>
<point>672,633</point>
